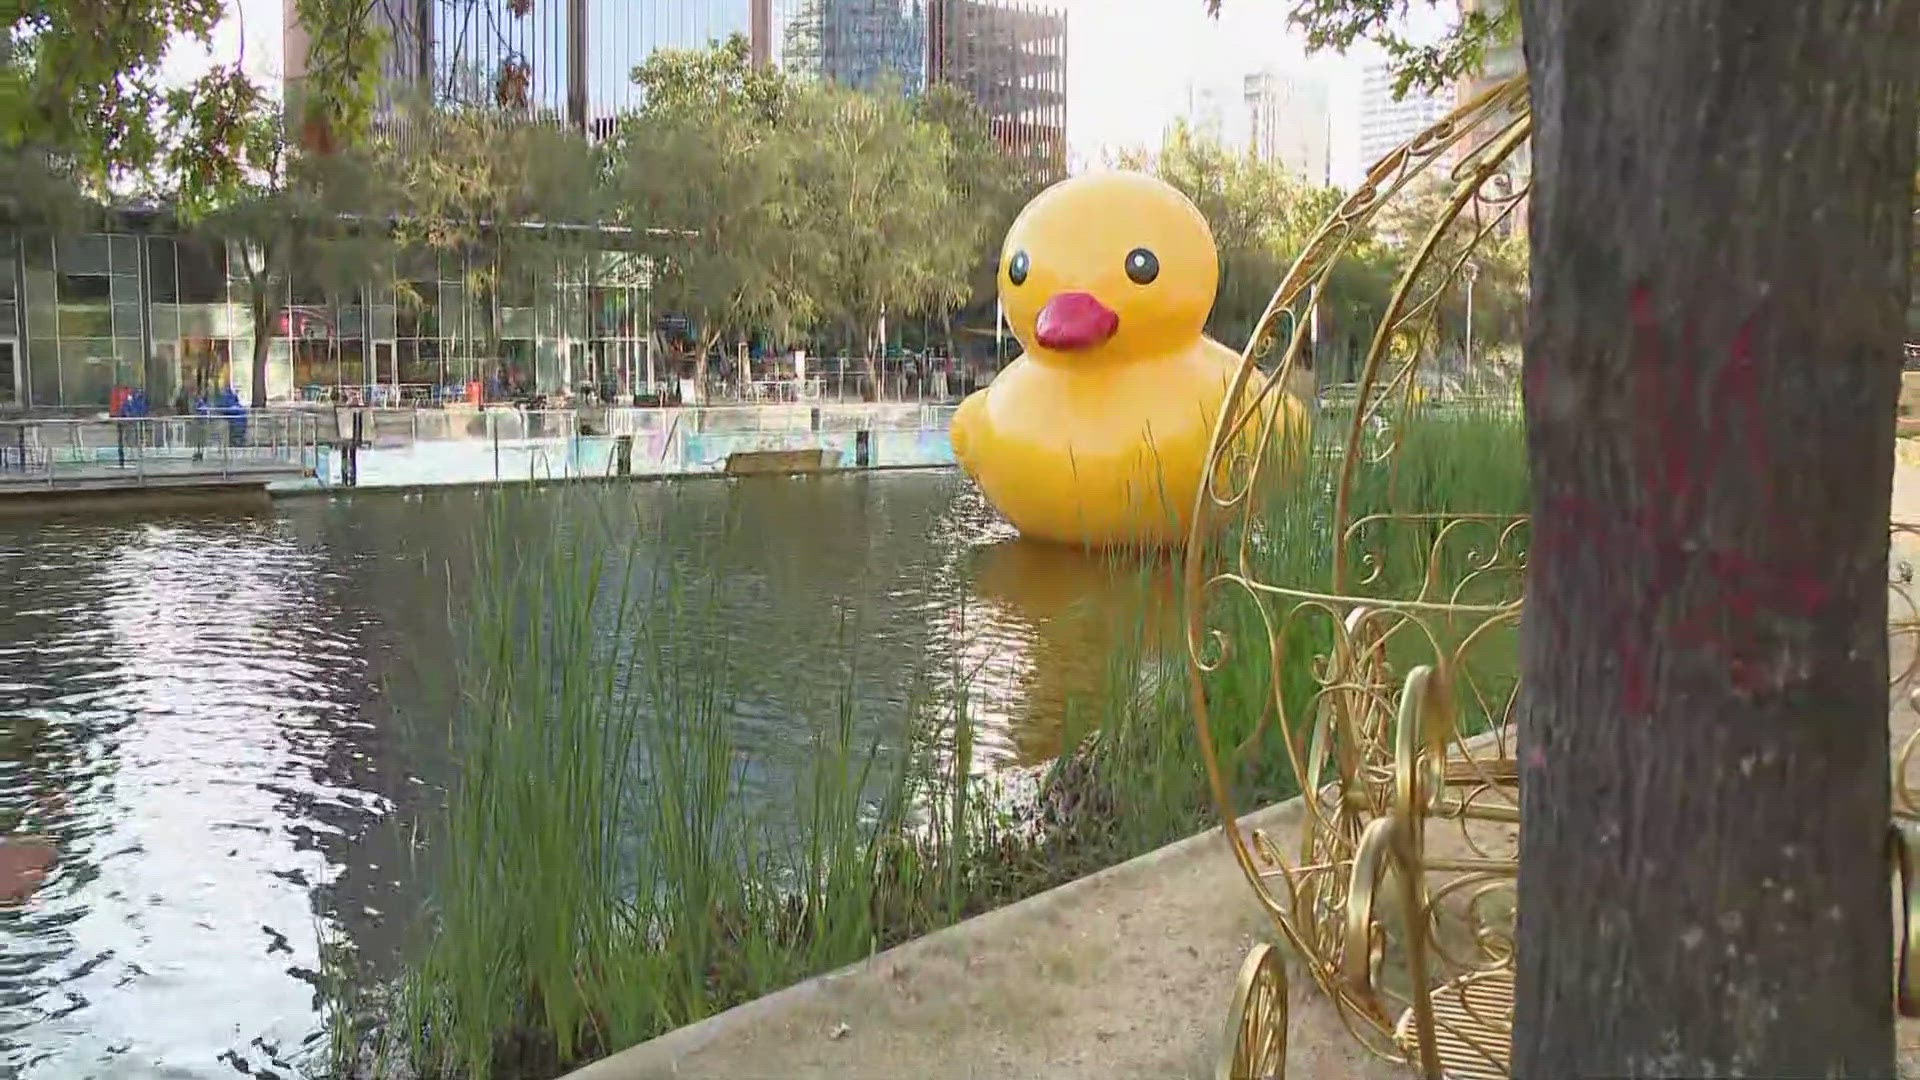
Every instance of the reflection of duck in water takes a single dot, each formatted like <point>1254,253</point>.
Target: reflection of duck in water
<point>1064,614</point>
<point>23,867</point>
<point>26,856</point>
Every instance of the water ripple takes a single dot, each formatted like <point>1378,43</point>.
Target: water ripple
<point>226,724</point>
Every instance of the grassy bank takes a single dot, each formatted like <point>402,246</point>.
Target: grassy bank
<point>600,875</point>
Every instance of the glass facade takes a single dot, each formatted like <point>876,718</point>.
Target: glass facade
<point>85,318</point>
<point>13,363</point>
<point>864,44</point>
<point>621,34</point>
<point>172,315</point>
<point>1012,60</point>
<point>474,40</point>
<point>513,52</point>
<point>1009,58</point>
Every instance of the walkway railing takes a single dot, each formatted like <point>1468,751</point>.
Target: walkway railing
<point>170,448</point>
<point>778,418</point>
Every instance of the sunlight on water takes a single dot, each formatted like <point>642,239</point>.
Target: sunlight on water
<point>226,725</point>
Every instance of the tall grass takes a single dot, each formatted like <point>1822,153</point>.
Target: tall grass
<point>1139,769</point>
<point>600,875</point>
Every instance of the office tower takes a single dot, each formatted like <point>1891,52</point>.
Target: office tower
<point>1386,122</point>
<point>1010,59</point>
<point>1503,60</point>
<point>1288,123</point>
<point>1206,115</point>
<point>569,58</point>
<point>863,44</point>
<point>1271,115</point>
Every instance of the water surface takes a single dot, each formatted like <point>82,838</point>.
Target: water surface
<point>230,725</point>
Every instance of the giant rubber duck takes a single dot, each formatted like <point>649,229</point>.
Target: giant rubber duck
<point>1098,434</point>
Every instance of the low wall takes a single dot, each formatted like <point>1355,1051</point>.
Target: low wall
<point>675,451</point>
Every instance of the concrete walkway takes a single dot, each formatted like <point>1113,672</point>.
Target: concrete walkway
<point>1125,975</point>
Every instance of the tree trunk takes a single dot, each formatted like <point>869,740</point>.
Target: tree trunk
<point>700,362</point>
<point>1719,231</point>
<point>871,364</point>
<point>265,311</point>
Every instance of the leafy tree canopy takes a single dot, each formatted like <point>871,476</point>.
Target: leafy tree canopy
<point>723,78</point>
<point>80,87</point>
<point>1338,24</point>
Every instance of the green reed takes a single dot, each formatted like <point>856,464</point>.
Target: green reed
<point>599,875</point>
<point>1138,770</point>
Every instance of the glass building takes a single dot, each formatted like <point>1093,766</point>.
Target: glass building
<point>1009,58</point>
<point>81,315</point>
<point>621,34</point>
<point>863,44</point>
<point>569,58</point>
<point>1012,60</point>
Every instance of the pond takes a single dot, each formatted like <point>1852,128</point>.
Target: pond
<point>230,726</point>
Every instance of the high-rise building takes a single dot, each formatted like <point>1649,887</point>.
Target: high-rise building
<point>1272,115</point>
<point>572,58</point>
<point>864,44</point>
<point>1387,122</point>
<point>1503,59</point>
<point>1206,115</point>
<point>1288,123</point>
<point>1010,59</point>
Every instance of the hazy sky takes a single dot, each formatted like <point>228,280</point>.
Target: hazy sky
<point>1128,63</point>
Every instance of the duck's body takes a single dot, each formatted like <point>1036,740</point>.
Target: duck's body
<point>1099,433</point>
<point>1104,455</point>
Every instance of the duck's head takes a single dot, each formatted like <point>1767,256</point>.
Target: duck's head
<point>1107,265</point>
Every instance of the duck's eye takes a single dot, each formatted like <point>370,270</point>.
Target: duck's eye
<point>1142,266</point>
<point>1017,268</point>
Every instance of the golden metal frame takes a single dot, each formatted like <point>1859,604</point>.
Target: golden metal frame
<point>1381,748</point>
<point>1342,747</point>
<point>1256,1037</point>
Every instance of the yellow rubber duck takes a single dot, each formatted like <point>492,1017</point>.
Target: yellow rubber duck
<point>1099,432</point>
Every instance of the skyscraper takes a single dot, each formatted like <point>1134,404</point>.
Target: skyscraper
<point>1385,122</point>
<point>574,58</point>
<point>1503,59</point>
<point>1288,123</point>
<point>1206,115</point>
<point>1270,114</point>
<point>862,44</point>
<point>1012,60</point>
<point>571,58</point>
<point>1009,59</point>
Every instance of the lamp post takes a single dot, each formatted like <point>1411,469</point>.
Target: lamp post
<point>648,267</point>
<point>1472,270</point>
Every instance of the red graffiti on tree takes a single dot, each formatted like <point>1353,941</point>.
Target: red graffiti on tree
<point>1692,434</point>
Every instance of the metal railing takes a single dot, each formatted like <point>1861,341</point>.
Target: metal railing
<point>143,449</point>
<point>399,426</point>
<point>763,419</point>
<point>379,395</point>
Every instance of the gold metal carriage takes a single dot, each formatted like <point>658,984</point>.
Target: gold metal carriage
<point>1384,679</point>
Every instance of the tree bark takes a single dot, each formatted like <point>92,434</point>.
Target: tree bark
<point>265,312</point>
<point>1719,228</point>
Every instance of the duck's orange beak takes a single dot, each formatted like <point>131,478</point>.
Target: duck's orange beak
<point>1075,320</point>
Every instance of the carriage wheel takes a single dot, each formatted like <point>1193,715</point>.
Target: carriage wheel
<point>1336,813</point>
<point>1256,1038</point>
